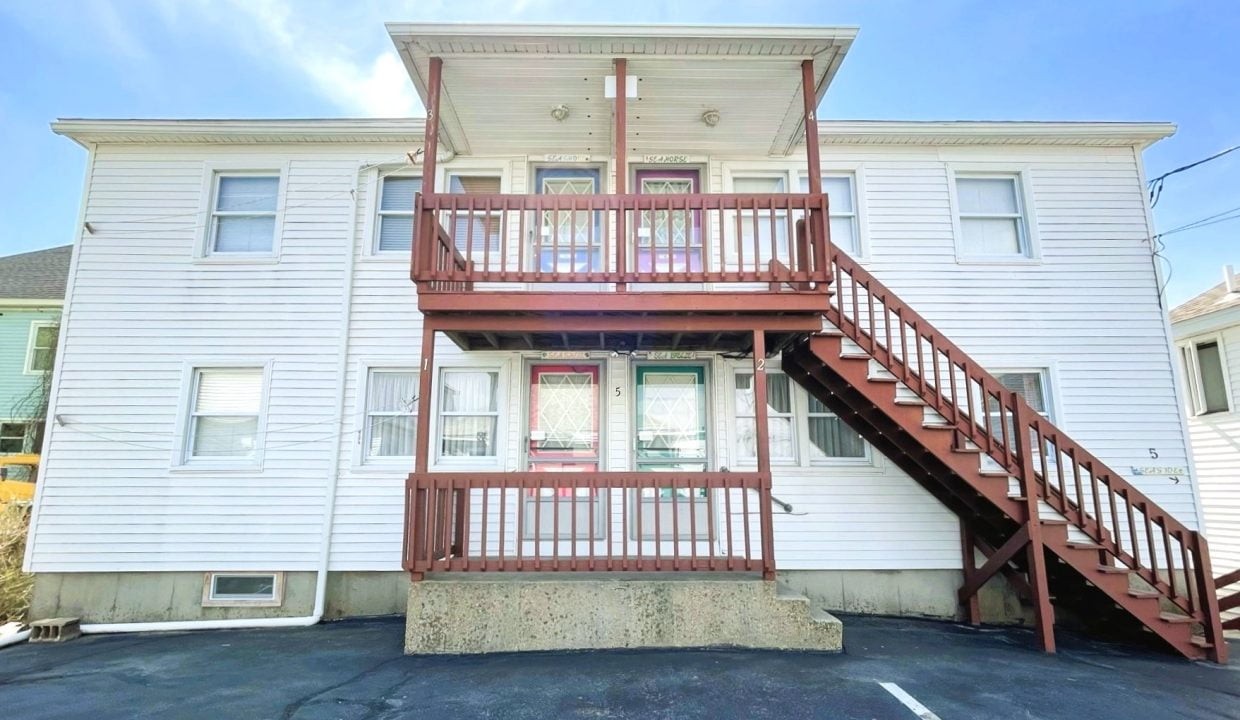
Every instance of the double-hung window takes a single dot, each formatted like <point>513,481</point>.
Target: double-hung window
<point>395,213</point>
<point>780,422</point>
<point>1203,371</point>
<point>243,214</point>
<point>42,351</point>
<point>12,437</point>
<point>224,414</point>
<point>763,233</point>
<point>992,217</point>
<point>1030,385</point>
<point>841,193</point>
<point>468,413</point>
<point>477,231</point>
<point>391,414</point>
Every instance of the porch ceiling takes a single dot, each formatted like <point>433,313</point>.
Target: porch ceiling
<point>500,84</point>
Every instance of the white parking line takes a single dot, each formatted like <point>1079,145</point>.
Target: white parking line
<point>909,701</point>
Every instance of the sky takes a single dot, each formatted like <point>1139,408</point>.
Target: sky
<point>1142,60</point>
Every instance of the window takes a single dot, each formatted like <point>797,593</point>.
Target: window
<point>468,413</point>
<point>762,185</point>
<point>830,437</point>
<point>1203,371</point>
<point>225,411</point>
<point>781,428</point>
<point>243,217</point>
<point>391,414</point>
<point>396,226</point>
<point>42,351</point>
<point>478,231</point>
<point>992,222</point>
<point>841,193</point>
<point>12,437</point>
<point>243,588</point>
<point>1031,385</point>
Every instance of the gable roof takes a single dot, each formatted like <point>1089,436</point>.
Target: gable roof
<point>1213,300</point>
<point>37,275</point>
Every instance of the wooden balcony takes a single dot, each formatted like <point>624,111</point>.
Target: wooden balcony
<point>712,266</point>
<point>594,522</point>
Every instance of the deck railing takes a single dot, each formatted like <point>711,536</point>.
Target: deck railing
<point>774,239</point>
<point>1127,527</point>
<point>601,522</point>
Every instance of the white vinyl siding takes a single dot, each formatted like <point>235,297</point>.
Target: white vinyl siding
<point>243,216</point>
<point>992,221</point>
<point>395,213</point>
<point>391,414</point>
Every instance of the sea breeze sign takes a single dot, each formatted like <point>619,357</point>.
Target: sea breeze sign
<point>1170,470</point>
<point>565,355</point>
<point>566,158</point>
<point>670,355</point>
<point>665,159</point>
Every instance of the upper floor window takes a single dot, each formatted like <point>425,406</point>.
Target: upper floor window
<point>224,413</point>
<point>396,225</point>
<point>391,414</point>
<point>243,213</point>
<point>41,352</point>
<point>468,413</point>
<point>761,222</point>
<point>13,437</point>
<point>1204,373</point>
<point>992,217</point>
<point>477,231</point>
<point>841,193</point>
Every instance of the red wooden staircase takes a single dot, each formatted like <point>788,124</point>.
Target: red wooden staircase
<point>1068,530</point>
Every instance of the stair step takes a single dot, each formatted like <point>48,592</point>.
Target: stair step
<point>1053,522</point>
<point>994,473</point>
<point>967,450</point>
<point>852,355</point>
<point>1114,570</point>
<point>937,426</point>
<point>1174,618</point>
<point>883,379</point>
<point>1145,594</point>
<point>1079,545</point>
<point>910,401</point>
<point>1201,642</point>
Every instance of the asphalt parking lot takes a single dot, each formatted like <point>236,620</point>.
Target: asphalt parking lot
<point>891,668</point>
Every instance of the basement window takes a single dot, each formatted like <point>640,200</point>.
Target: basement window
<point>250,589</point>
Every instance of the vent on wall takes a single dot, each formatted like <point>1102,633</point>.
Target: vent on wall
<point>248,589</point>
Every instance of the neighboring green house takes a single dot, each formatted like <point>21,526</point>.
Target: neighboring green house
<point>32,295</point>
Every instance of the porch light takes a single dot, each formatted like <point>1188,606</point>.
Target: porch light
<point>710,118</point>
<point>560,112</point>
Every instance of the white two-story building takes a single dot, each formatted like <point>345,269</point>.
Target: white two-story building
<point>606,312</point>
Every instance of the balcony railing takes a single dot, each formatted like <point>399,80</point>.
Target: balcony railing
<point>601,522</point>
<point>780,240</point>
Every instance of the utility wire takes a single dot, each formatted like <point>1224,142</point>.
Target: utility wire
<point>1224,216</point>
<point>1156,185</point>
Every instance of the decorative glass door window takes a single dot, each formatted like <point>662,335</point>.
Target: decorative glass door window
<point>563,437</point>
<point>668,240</point>
<point>671,437</point>
<point>567,240</point>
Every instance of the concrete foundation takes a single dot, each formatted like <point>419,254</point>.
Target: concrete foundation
<point>909,593</point>
<point>507,614</point>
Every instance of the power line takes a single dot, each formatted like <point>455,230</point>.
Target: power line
<point>1224,216</point>
<point>1156,185</point>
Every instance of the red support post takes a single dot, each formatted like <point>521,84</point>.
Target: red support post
<point>763,451</point>
<point>425,228</point>
<point>1043,613</point>
<point>968,548</point>
<point>818,226</point>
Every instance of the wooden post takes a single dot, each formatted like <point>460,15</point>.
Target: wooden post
<point>426,370</point>
<point>1043,614</point>
<point>968,548</point>
<point>622,167</point>
<point>763,451</point>
<point>425,225</point>
<point>818,226</point>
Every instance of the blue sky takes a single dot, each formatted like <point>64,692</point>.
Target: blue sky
<point>1173,60</point>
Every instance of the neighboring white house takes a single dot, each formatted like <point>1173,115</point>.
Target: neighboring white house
<point>237,385</point>
<point>1207,332</point>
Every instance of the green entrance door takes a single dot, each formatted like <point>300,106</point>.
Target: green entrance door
<point>671,418</point>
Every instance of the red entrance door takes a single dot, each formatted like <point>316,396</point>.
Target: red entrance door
<point>564,418</point>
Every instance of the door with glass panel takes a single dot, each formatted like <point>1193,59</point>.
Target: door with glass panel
<point>566,241</point>
<point>668,241</point>
<point>671,432</point>
<point>563,436</point>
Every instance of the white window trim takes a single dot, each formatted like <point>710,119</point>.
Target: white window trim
<point>860,214</point>
<point>1048,369</point>
<point>27,367</point>
<point>206,203</point>
<point>370,224</point>
<point>26,426</point>
<point>735,415</point>
<point>365,367</point>
<point>181,462</point>
<point>210,600</point>
<point>1194,397</point>
<point>1024,196</point>
<point>869,463</point>
<point>435,445</point>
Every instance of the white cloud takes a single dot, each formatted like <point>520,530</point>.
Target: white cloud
<point>374,84</point>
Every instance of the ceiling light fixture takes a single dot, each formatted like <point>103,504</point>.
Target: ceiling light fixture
<point>710,118</point>
<point>560,112</point>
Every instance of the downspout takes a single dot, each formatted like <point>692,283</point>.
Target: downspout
<point>333,477</point>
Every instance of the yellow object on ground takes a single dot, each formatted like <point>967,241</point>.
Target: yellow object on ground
<point>16,490</point>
